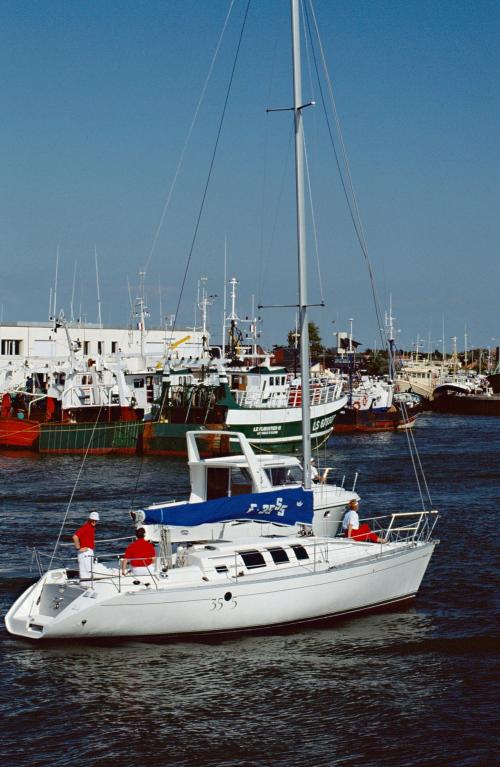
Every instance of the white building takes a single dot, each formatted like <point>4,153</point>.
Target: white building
<point>40,343</point>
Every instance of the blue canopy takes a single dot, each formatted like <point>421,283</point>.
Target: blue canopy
<point>287,507</point>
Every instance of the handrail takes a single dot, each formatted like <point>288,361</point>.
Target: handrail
<point>320,393</point>
<point>35,399</point>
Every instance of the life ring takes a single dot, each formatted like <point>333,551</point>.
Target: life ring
<point>356,405</point>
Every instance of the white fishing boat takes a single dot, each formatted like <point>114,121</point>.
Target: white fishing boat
<point>297,570</point>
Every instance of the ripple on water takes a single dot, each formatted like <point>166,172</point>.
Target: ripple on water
<point>401,688</point>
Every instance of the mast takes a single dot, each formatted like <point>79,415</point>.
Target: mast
<point>391,345</point>
<point>224,302</point>
<point>72,318</point>
<point>54,309</point>
<point>301,244</point>
<point>99,319</point>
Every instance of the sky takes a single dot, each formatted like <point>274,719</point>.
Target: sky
<point>97,103</point>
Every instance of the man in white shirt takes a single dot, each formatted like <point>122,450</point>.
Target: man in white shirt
<point>352,528</point>
<point>350,523</point>
<point>314,472</point>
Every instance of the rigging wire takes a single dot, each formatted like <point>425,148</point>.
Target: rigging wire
<point>286,168</point>
<point>412,445</point>
<point>313,220</point>
<point>348,188</point>
<point>352,203</point>
<point>74,489</point>
<point>209,175</point>
<point>207,182</point>
<point>306,158</point>
<point>188,136</point>
<point>262,262</point>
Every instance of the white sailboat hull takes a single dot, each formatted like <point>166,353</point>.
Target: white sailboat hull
<point>186,603</point>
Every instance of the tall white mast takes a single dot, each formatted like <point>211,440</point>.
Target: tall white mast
<point>224,301</point>
<point>444,342</point>
<point>99,319</point>
<point>301,244</point>
<point>160,299</point>
<point>141,312</point>
<point>72,317</point>
<point>54,309</point>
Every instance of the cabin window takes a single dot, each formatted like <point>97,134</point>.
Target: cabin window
<point>279,555</point>
<point>86,347</point>
<point>241,481</point>
<point>221,569</point>
<point>217,483</point>
<point>11,347</point>
<point>138,383</point>
<point>271,381</point>
<point>114,347</point>
<point>283,475</point>
<point>300,551</point>
<point>277,476</point>
<point>252,559</point>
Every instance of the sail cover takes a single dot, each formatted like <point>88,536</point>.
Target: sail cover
<point>286,507</point>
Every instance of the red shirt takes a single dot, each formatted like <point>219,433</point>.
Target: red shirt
<point>140,553</point>
<point>86,535</point>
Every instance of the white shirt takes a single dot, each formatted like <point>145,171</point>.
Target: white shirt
<point>351,518</point>
<point>314,473</point>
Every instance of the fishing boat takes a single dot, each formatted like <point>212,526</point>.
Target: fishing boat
<point>72,407</point>
<point>372,402</point>
<point>494,379</point>
<point>263,401</point>
<point>373,406</point>
<point>466,396</point>
<point>215,585</point>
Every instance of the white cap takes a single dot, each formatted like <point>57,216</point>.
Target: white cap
<point>94,515</point>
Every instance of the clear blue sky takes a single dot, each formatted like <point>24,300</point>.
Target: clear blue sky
<point>97,99</point>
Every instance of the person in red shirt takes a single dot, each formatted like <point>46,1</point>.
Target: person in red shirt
<point>141,554</point>
<point>84,540</point>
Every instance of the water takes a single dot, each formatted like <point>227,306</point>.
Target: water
<point>404,688</point>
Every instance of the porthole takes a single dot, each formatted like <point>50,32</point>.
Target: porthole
<point>228,596</point>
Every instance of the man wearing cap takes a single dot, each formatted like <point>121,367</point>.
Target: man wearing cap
<point>314,472</point>
<point>84,540</point>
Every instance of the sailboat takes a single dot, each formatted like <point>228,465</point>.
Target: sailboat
<point>220,585</point>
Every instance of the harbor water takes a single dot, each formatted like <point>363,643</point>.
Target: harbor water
<point>407,687</point>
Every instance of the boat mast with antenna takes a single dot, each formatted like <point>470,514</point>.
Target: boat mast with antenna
<point>99,319</point>
<point>301,244</point>
<point>141,312</point>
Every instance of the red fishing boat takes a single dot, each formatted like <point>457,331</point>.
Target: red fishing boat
<point>16,430</point>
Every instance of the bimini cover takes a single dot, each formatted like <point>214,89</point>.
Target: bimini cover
<point>287,507</point>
